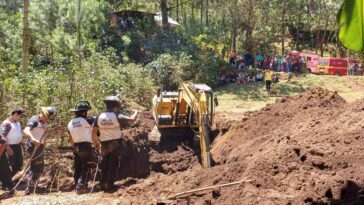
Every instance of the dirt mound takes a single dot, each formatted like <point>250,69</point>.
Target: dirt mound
<point>301,149</point>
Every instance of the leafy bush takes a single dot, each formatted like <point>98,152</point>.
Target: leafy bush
<point>169,70</point>
<point>208,69</point>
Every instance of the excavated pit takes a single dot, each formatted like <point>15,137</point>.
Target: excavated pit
<point>141,157</point>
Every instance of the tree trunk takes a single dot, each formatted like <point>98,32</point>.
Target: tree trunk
<point>299,29</point>
<point>317,37</point>
<point>201,13</point>
<point>322,40</point>
<point>184,15</point>
<point>79,52</point>
<point>234,34</point>
<point>234,29</point>
<point>192,21</point>
<point>327,39</point>
<point>250,19</point>
<point>25,51</point>
<point>207,13</point>
<point>177,11</point>
<point>283,27</point>
<point>164,13</point>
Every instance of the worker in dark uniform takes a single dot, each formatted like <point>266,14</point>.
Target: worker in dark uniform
<point>109,124</point>
<point>35,133</point>
<point>80,133</point>
<point>11,130</point>
<point>5,172</point>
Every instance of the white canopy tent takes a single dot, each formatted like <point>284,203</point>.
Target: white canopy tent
<point>171,22</point>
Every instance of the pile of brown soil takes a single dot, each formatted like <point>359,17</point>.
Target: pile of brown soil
<point>303,149</point>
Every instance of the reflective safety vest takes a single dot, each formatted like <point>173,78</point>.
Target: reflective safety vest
<point>14,135</point>
<point>80,130</point>
<point>109,126</point>
<point>37,128</point>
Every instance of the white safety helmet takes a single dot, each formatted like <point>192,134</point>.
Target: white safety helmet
<point>112,101</point>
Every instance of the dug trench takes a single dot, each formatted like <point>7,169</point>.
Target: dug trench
<point>141,157</point>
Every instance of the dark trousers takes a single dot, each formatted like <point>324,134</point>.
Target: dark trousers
<point>110,151</point>
<point>16,161</point>
<point>82,155</point>
<point>36,165</point>
<point>268,84</point>
<point>5,172</point>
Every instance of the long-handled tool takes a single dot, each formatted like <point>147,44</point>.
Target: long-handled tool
<point>21,175</point>
<point>96,171</point>
<point>56,154</point>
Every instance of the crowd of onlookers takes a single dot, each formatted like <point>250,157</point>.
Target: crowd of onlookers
<point>287,63</point>
<point>243,76</point>
<point>244,72</point>
<point>354,69</point>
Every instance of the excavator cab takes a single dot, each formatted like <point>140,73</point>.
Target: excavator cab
<point>186,112</point>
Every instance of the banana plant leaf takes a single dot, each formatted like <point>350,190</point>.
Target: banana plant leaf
<point>351,22</point>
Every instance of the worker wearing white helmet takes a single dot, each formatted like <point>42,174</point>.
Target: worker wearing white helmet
<point>109,124</point>
<point>34,131</point>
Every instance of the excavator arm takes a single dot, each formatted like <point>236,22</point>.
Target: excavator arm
<point>184,113</point>
<point>196,99</point>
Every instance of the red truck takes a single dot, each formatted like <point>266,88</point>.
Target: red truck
<point>333,66</point>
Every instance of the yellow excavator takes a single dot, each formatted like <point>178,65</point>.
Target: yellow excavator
<point>187,112</point>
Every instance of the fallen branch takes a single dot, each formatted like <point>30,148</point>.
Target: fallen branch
<point>208,188</point>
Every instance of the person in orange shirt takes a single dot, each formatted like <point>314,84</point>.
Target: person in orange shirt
<point>232,56</point>
<point>268,77</point>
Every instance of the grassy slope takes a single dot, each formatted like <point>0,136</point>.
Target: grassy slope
<point>241,98</point>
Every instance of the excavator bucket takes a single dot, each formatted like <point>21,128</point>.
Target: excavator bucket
<point>154,135</point>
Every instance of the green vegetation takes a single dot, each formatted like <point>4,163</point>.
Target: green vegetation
<point>252,96</point>
<point>57,52</point>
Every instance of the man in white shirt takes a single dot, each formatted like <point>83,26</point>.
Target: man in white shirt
<point>109,124</point>
<point>35,131</point>
<point>11,130</point>
<point>80,133</point>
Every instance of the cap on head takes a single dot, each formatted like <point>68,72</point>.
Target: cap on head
<point>19,111</point>
<point>82,106</point>
<point>49,112</point>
